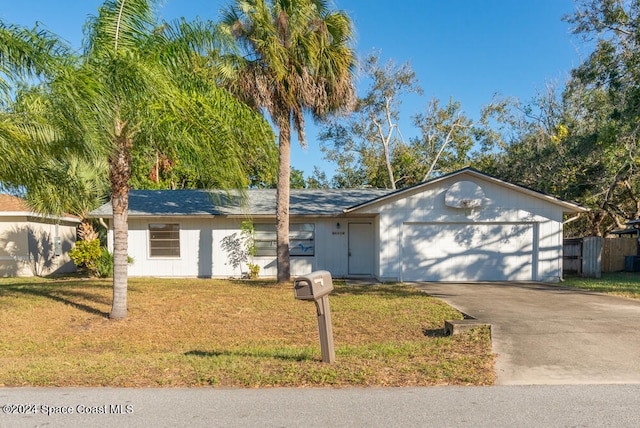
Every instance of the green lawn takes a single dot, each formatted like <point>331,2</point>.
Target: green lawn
<point>625,284</point>
<point>196,332</point>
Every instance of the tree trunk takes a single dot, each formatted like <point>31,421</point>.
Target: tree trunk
<point>282,203</point>
<point>597,223</point>
<point>119,174</point>
<point>120,250</point>
<point>386,141</point>
<point>387,161</point>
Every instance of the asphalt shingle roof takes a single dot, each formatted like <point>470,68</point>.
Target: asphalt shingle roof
<point>11,203</point>
<point>258,202</point>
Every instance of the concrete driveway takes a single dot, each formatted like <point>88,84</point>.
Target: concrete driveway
<point>549,334</point>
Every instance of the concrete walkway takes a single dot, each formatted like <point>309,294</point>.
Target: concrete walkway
<point>548,334</point>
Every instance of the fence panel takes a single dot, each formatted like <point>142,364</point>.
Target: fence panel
<point>592,256</point>
<point>582,256</point>
<point>614,251</point>
<point>572,256</point>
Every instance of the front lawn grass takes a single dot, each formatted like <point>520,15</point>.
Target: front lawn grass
<point>196,332</point>
<point>625,284</point>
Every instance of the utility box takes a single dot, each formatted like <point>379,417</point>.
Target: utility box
<point>316,286</point>
<point>632,263</point>
<point>313,286</point>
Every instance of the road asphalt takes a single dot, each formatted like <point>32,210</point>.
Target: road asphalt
<point>549,334</point>
<point>495,407</point>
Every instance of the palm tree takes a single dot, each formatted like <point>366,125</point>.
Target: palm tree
<point>297,59</point>
<point>25,55</point>
<point>145,96</point>
<point>137,84</point>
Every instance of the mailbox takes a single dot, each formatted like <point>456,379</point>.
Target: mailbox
<point>316,286</point>
<point>313,286</point>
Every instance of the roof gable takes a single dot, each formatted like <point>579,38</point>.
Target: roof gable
<point>568,207</point>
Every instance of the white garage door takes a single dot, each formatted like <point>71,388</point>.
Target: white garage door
<point>467,252</point>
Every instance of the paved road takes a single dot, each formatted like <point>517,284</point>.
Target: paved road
<point>498,406</point>
<point>548,334</point>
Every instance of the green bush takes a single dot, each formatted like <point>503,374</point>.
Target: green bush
<point>98,261</point>
<point>254,270</point>
<point>86,254</point>
<point>104,264</point>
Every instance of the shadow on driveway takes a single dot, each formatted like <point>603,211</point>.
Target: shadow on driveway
<point>548,334</point>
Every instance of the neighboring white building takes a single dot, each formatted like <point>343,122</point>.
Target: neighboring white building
<point>33,244</point>
<point>464,226</point>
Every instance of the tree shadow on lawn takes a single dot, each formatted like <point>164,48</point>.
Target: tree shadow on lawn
<point>279,355</point>
<point>387,291</point>
<point>257,283</point>
<point>437,332</point>
<point>59,295</point>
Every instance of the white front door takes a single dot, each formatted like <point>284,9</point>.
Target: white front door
<point>361,249</point>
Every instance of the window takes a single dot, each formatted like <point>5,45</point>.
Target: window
<point>164,240</point>
<point>301,239</point>
<point>265,239</point>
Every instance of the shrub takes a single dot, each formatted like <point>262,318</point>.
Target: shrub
<point>104,264</point>
<point>86,254</point>
<point>97,261</point>
<point>242,248</point>
<point>254,270</point>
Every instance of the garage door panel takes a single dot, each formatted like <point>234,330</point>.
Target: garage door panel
<point>467,252</point>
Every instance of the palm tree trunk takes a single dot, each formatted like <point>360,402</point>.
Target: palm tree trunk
<point>282,203</point>
<point>119,174</point>
<point>120,250</point>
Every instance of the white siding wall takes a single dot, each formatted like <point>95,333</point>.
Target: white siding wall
<point>502,206</point>
<point>14,247</point>
<point>27,247</point>
<point>201,253</point>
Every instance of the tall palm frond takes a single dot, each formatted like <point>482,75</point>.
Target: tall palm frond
<point>118,28</point>
<point>69,185</point>
<point>26,53</point>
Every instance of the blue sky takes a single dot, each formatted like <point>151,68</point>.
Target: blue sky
<point>465,49</point>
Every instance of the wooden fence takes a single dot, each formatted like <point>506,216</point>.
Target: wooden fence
<point>592,255</point>
<point>614,252</point>
<point>572,256</point>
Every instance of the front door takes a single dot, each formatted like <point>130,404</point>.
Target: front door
<point>360,249</point>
